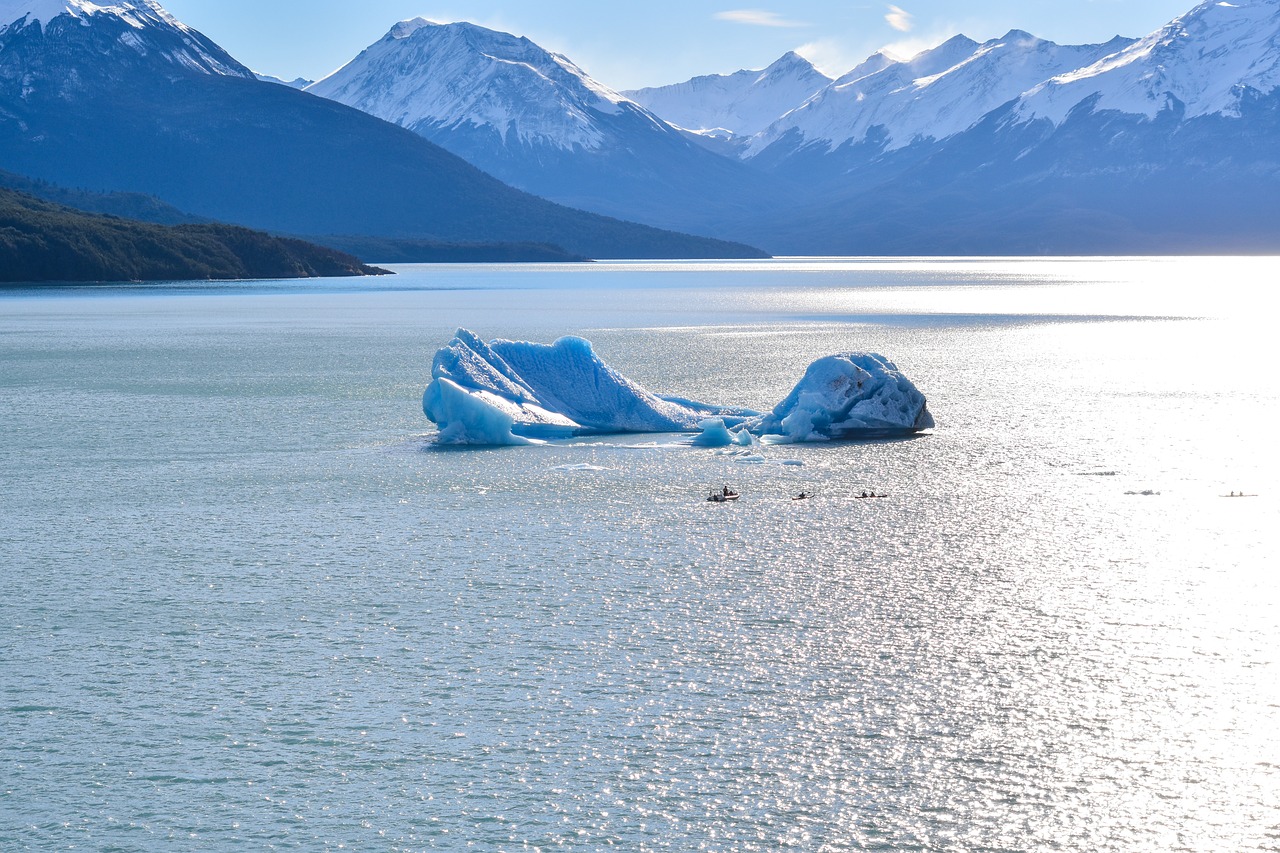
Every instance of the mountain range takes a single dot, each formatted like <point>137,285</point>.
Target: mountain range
<point>537,121</point>
<point>123,97</point>
<point>1014,145</point>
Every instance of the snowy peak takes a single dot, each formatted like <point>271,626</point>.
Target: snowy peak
<point>1202,63</point>
<point>933,95</point>
<point>935,60</point>
<point>28,12</point>
<point>742,103</point>
<point>791,63</point>
<point>405,29</point>
<point>146,31</point>
<point>137,13</point>
<point>423,74</point>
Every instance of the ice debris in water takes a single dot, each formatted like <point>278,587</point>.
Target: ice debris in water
<point>514,392</point>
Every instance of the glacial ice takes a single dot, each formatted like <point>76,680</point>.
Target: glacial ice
<point>852,395</point>
<point>514,392</point>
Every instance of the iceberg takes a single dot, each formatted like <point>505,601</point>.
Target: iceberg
<point>515,393</point>
<point>851,395</point>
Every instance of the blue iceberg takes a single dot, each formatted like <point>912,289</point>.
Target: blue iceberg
<point>515,392</point>
<point>851,395</point>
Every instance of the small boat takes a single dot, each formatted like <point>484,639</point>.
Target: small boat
<point>724,495</point>
<point>864,496</point>
<point>803,496</point>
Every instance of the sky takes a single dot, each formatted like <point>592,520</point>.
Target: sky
<point>628,44</point>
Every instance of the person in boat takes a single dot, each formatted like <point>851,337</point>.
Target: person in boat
<point>865,495</point>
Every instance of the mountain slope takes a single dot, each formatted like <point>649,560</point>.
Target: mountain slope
<point>1164,145</point>
<point>1202,63</point>
<point>739,104</point>
<point>40,241</point>
<point>934,95</point>
<point>1167,146</point>
<point>1101,183</point>
<point>122,98</point>
<point>144,208</point>
<point>536,120</point>
<point>144,35</point>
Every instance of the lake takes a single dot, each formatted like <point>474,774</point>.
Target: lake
<point>246,603</point>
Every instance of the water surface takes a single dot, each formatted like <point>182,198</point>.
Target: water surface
<point>247,604</point>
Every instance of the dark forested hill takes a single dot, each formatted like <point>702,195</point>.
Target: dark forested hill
<point>144,208</point>
<point>41,241</point>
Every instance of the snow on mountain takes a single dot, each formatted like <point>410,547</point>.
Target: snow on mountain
<point>1205,60</point>
<point>177,43</point>
<point>424,74</point>
<point>743,103</point>
<point>537,121</point>
<point>934,95</point>
<point>296,83</point>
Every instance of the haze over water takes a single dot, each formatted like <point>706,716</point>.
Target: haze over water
<point>245,602</point>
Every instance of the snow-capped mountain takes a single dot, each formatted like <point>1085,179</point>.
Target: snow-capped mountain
<point>739,104</point>
<point>1200,64</point>
<point>141,31</point>
<point>120,96</point>
<point>1014,145</point>
<point>423,76</point>
<point>1167,144</point>
<point>934,95</point>
<point>538,121</point>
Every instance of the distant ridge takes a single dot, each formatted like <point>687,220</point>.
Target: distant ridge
<point>739,104</point>
<point>144,208</point>
<point>44,242</point>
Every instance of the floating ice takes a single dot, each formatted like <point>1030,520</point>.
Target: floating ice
<point>512,392</point>
<point>853,395</point>
<point>716,433</point>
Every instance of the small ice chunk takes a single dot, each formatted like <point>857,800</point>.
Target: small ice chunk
<point>715,433</point>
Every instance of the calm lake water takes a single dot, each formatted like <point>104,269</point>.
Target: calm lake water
<point>246,604</point>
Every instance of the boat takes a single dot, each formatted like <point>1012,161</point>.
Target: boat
<point>724,495</point>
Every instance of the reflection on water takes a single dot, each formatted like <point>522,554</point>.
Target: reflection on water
<point>241,607</point>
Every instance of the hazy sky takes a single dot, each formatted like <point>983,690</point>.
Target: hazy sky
<point>627,44</point>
